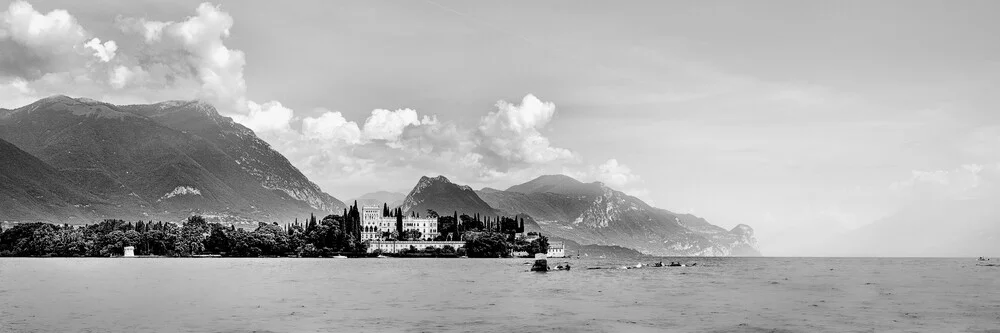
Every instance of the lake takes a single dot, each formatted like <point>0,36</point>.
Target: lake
<point>496,295</point>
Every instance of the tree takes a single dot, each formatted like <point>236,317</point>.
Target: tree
<point>192,236</point>
<point>432,214</point>
<point>218,240</point>
<point>486,245</point>
<point>538,245</point>
<point>399,220</point>
<point>196,224</point>
<point>113,244</point>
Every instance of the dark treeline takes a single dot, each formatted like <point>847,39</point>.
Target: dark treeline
<point>314,238</point>
<point>484,236</point>
<point>458,227</point>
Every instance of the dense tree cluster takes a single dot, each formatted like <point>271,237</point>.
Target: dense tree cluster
<point>194,236</point>
<point>484,236</point>
<point>538,244</point>
<point>430,251</point>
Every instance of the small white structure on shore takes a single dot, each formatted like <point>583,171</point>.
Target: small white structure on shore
<point>129,251</point>
<point>557,250</point>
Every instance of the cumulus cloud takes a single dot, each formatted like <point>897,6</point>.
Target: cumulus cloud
<point>187,58</point>
<point>33,44</point>
<point>199,42</point>
<point>331,126</point>
<point>267,117</point>
<point>512,132</point>
<point>104,51</point>
<point>56,31</point>
<point>388,125</point>
<point>615,174</point>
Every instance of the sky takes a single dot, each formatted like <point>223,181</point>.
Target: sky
<point>801,119</point>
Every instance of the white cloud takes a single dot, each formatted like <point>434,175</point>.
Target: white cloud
<point>187,58</point>
<point>512,132</point>
<point>33,44</point>
<point>613,173</point>
<point>120,76</point>
<point>105,51</point>
<point>388,125</point>
<point>56,31</point>
<point>219,68</point>
<point>331,126</point>
<point>267,117</point>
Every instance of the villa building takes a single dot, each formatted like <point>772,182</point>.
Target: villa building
<point>397,246</point>
<point>374,224</point>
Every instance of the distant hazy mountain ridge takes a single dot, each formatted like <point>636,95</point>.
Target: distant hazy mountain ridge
<point>593,213</point>
<point>586,213</point>
<point>379,198</point>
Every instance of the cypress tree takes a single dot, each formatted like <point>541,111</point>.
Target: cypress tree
<point>399,221</point>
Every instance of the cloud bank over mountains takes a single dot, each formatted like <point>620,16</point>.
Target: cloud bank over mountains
<point>43,54</point>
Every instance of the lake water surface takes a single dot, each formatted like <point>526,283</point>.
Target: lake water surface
<point>496,295</point>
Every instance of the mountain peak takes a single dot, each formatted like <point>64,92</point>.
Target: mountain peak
<point>560,184</point>
<point>742,228</point>
<point>161,148</point>
<point>194,104</point>
<point>558,178</point>
<point>489,190</point>
<point>439,178</point>
<point>58,98</point>
<point>440,194</point>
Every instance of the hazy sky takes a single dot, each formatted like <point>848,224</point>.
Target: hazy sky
<point>799,118</point>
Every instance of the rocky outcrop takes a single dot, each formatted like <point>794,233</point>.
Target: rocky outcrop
<point>593,213</point>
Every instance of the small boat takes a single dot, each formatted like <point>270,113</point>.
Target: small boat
<point>381,256</point>
<point>339,257</point>
<point>541,263</point>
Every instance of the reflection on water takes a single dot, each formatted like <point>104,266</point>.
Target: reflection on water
<point>304,295</point>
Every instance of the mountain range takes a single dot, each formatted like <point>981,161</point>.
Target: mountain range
<point>158,161</point>
<point>587,213</point>
<point>76,160</point>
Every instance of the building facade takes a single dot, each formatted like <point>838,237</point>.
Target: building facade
<point>397,246</point>
<point>374,224</point>
<point>557,250</point>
